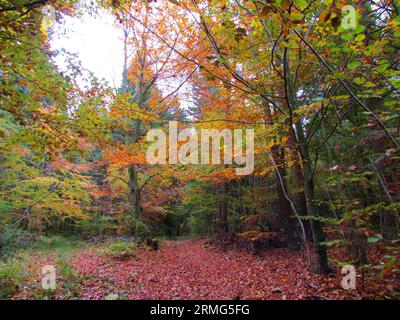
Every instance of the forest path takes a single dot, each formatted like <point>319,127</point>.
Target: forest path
<point>187,270</point>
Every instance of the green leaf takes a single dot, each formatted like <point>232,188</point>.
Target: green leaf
<point>347,36</point>
<point>293,44</point>
<point>301,4</point>
<point>296,16</point>
<point>382,67</point>
<point>395,83</point>
<point>374,239</point>
<point>353,65</point>
<point>360,28</point>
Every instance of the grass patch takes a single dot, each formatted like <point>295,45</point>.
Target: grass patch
<point>16,273</point>
<point>119,250</point>
<point>59,244</point>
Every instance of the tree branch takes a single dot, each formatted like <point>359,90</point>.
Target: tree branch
<point>352,94</point>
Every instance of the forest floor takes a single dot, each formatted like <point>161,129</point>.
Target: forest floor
<point>187,269</point>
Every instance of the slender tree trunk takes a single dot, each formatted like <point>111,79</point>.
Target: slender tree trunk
<point>285,210</point>
<point>134,192</point>
<point>134,189</point>
<point>301,203</point>
<point>309,193</point>
<point>222,222</point>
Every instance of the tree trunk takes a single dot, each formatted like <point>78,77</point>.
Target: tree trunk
<point>285,210</point>
<point>316,226</point>
<point>222,220</point>
<point>301,203</point>
<point>134,192</point>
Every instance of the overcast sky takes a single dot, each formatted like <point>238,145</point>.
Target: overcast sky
<point>97,42</point>
<point>99,46</point>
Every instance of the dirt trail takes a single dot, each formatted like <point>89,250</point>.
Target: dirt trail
<point>187,270</point>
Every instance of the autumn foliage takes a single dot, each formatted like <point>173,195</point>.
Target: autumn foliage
<point>321,97</point>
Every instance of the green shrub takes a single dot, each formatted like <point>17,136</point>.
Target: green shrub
<point>119,250</point>
<point>141,230</point>
<point>10,275</point>
<point>8,286</point>
<point>12,239</point>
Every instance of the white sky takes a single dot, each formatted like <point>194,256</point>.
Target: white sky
<point>97,42</point>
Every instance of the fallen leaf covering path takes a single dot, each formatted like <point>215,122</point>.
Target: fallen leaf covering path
<point>188,270</point>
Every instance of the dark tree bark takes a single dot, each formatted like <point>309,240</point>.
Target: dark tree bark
<point>285,210</point>
<point>134,191</point>
<point>222,219</point>
<point>309,193</point>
